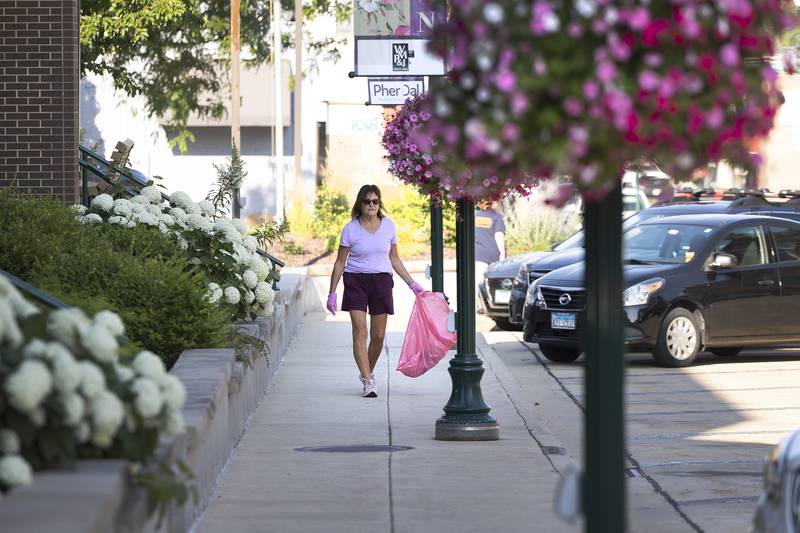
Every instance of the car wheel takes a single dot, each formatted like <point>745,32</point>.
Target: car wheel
<point>559,354</point>
<point>678,339</point>
<point>726,352</point>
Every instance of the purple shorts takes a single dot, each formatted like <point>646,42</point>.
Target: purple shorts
<point>368,292</point>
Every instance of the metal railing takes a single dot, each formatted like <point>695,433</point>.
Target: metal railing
<point>93,164</point>
<point>104,170</point>
<point>33,293</point>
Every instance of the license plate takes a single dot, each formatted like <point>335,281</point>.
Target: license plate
<point>502,296</point>
<point>562,320</point>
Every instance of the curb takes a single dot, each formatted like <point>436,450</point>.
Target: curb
<point>550,445</point>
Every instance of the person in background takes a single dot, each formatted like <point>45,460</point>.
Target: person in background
<point>367,255</point>
<point>490,243</point>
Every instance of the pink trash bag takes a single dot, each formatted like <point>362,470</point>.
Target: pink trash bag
<point>427,339</point>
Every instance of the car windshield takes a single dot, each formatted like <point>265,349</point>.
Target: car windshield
<point>576,240</point>
<point>664,242</point>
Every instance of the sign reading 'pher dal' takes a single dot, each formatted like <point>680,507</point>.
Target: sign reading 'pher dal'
<point>391,38</point>
<point>394,91</point>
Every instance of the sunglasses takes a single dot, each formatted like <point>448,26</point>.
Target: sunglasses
<point>374,201</point>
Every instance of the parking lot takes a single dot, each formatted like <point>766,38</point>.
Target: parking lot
<point>697,436</point>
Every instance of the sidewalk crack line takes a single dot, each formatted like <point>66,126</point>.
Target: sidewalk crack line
<point>655,484</point>
<point>391,441</point>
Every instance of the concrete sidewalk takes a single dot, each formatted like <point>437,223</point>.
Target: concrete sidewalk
<point>314,400</point>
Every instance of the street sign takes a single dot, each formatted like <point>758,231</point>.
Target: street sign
<point>391,38</point>
<point>394,91</point>
<point>396,57</point>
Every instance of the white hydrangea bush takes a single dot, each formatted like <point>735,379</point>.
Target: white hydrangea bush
<point>65,393</point>
<point>220,247</point>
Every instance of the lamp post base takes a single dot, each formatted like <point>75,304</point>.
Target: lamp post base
<point>467,431</point>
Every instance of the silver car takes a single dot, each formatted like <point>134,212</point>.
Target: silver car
<point>779,506</point>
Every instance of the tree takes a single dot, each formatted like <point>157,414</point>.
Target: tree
<point>174,53</point>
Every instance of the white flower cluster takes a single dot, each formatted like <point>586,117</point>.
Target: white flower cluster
<point>74,378</point>
<point>12,307</point>
<point>243,285</point>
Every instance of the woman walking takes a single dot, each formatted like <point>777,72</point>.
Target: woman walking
<point>367,256</point>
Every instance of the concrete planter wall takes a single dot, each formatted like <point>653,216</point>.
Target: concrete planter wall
<point>222,393</point>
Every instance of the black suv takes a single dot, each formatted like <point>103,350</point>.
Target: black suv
<point>741,202</point>
<point>694,282</point>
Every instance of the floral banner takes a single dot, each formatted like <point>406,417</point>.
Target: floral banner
<point>382,17</point>
<point>391,38</point>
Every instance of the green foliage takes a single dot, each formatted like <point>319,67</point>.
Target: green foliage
<point>301,219</point>
<point>229,181</point>
<point>165,485</point>
<point>136,272</point>
<point>293,249</point>
<point>270,231</point>
<point>174,52</point>
<point>791,37</point>
<point>410,212</point>
<point>532,225</point>
<point>245,344</point>
<point>331,213</point>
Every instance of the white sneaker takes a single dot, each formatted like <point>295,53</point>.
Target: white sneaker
<point>370,390</point>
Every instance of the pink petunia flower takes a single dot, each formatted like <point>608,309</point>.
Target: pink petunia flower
<point>648,80</point>
<point>729,55</point>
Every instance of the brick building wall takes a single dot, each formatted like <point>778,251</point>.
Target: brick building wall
<point>39,62</point>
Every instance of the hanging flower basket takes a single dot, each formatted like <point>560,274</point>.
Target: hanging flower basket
<point>406,160</point>
<point>544,88</point>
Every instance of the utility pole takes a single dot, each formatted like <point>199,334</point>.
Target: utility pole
<point>280,186</point>
<point>298,100</point>
<point>236,134</point>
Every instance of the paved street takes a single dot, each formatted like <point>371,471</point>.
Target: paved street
<point>699,435</point>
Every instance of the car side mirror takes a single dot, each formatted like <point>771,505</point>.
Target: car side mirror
<point>723,261</point>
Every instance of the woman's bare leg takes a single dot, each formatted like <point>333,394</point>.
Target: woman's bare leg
<point>358,319</point>
<point>377,332</point>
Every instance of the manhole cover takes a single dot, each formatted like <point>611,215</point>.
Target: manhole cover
<point>354,448</point>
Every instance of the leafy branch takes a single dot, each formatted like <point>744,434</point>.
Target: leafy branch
<point>270,231</point>
<point>229,180</point>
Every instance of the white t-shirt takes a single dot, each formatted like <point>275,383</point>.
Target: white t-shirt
<point>369,252</point>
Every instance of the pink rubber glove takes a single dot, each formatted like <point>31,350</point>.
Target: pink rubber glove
<point>331,305</point>
<point>416,287</point>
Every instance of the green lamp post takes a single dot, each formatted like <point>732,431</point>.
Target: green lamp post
<point>437,247</point>
<point>604,493</point>
<point>466,415</point>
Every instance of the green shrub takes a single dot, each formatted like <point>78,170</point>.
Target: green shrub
<point>301,219</point>
<point>411,213</point>
<point>331,213</point>
<point>136,272</point>
<point>532,225</point>
<point>140,241</point>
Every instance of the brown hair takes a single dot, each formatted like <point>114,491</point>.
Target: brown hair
<point>362,195</point>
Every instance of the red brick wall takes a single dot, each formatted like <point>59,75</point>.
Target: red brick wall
<point>39,56</point>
